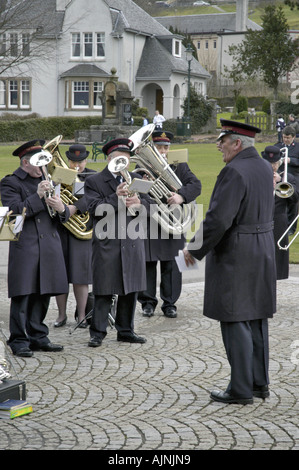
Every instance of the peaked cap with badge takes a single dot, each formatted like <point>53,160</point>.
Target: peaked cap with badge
<point>162,137</point>
<point>121,145</point>
<point>31,147</point>
<point>238,128</point>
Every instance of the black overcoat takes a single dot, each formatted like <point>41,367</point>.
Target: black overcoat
<point>36,263</point>
<point>238,242</point>
<point>77,252</point>
<point>118,260</point>
<point>166,247</point>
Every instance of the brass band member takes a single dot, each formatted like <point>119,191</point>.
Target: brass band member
<point>77,252</point>
<point>118,262</point>
<point>162,249</point>
<point>272,154</point>
<point>36,269</point>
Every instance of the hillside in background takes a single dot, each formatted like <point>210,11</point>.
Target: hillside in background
<point>217,7</point>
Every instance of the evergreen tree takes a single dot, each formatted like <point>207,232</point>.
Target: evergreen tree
<point>269,53</point>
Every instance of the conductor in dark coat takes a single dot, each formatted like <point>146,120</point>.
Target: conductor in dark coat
<point>163,249</point>
<point>36,268</point>
<point>273,155</point>
<point>240,280</point>
<point>77,247</point>
<point>118,259</point>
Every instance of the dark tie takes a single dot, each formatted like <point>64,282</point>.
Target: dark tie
<point>119,179</point>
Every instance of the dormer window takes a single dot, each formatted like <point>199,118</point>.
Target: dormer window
<point>176,48</point>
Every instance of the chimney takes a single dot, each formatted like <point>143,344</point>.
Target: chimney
<point>241,15</point>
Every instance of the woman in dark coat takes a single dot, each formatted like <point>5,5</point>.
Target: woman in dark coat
<point>118,259</point>
<point>36,268</point>
<point>77,251</point>
<point>240,280</point>
<point>272,154</point>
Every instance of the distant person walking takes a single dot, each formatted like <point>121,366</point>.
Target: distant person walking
<point>158,120</point>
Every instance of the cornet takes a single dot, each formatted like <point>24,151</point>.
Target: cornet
<point>284,189</point>
<point>119,165</point>
<point>42,159</point>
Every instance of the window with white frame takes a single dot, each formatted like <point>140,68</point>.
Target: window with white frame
<point>15,94</point>
<point>83,94</point>
<point>176,48</point>
<point>25,44</point>
<point>13,42</point>
<point>80,94</point>
<point>3,44</point>
<point>2,94</point>
<point>88,45</point>
<point>25,94</point>
<point>76,45</point>
<point>100,44</point>
<point>97,93</point>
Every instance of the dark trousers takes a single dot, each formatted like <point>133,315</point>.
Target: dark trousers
<point>247,348</point>
<point>27,327</point>
<point>124,318</point>
<point>170,284</point>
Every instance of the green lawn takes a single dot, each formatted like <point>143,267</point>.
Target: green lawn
<point>204,160</point>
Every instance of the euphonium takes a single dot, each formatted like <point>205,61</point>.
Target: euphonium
<point>174,220</point>
<point>77,224</point>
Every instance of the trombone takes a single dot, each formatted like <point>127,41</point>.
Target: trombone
<point>286,247</point>
<point>284,189</point>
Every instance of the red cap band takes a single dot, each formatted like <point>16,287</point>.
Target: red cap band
<point>238,130</point>
<point>29,150</point>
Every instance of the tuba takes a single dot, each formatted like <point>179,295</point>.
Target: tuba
<point>173,220</point>
<point>61,173</point>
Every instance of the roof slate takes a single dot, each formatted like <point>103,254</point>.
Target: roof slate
<point>157,63</point>
<point>212,23</point>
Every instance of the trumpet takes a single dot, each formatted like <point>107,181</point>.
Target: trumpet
<point>284,189</point>
<point>119,165</point>
<point>42,159</point>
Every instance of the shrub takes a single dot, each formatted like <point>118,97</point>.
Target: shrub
<point>241,104</point>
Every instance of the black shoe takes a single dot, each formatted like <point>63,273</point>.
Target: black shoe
<point>83,324</point>
<point>225,397</point>
<point>130,338</point>
<point>261,391</point>
<point>94,342</point>
<point>23,352</point>
<point>170,312</point>
<point>58,324</point>
<point>49,347</point>
<point>148,311</point>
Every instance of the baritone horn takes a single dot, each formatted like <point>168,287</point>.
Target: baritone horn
<point>173,220</point>
<point>59,172</point>
<point>284,189</point>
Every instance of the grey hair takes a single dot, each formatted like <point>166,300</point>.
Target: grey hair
<point>245,141</point>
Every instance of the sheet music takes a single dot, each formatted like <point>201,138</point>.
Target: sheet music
<point>180,261</point>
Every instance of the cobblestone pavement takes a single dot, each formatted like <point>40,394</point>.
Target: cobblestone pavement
<point>154,396</point>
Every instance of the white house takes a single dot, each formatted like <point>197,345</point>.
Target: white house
<point>212,34</point>
<point>56,56</point>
